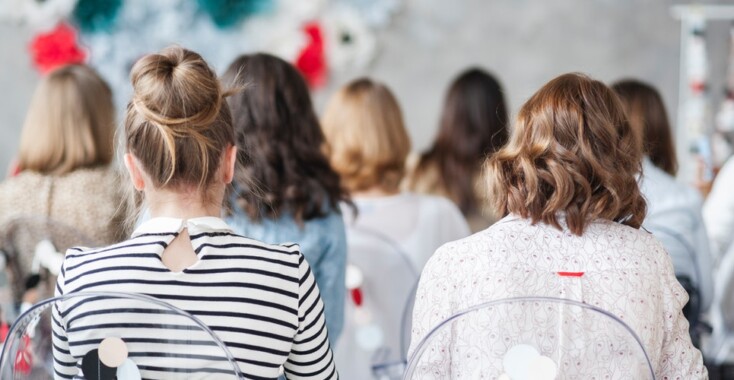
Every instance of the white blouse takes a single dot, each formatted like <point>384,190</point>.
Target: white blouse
<point>718,211</point>
<point>418,223</point>
<point>625,271</point>
<point>674,217</point>
<point>390,240</point>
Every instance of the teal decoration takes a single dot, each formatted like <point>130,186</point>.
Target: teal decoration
<point>96,15</point>
<point>227,13</point>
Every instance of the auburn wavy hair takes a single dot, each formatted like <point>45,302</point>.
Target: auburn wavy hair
<point>572,155</point>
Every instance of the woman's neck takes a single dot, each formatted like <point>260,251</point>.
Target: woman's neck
<point>181,205</point>
<point>375,192</point>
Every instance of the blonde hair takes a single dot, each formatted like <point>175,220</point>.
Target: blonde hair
<point>177,124</point>
<point>572,151</point>
<point>367,140</point>
<point>70,123</point>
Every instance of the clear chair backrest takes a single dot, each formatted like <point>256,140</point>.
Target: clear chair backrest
<point>721,347</point>
<point>676,229</point>
<point>19,238</point>
<point>530,338</point>
<point>161,340</point>
<point>375,337</point>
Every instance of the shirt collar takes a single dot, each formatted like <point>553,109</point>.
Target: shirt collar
<point>163,225</point>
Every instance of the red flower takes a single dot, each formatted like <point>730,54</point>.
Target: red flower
<point>312,61</point>
<point>56,48</point>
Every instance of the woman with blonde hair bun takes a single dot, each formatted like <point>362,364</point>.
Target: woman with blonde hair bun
<point>260,299</point>
<point>567,183</point>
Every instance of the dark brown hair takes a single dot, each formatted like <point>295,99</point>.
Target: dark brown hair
<point>473,126</point>
<point>70,123</point>
<point>368,143</point>
<point>647,116</point>
<point>571,152</point>
<point>281,166</point>
<point>177,124</point>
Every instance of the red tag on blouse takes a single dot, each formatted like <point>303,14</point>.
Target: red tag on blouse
<point>23,358</point>
<point>570,274</point>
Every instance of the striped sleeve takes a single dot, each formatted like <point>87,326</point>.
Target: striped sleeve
<point>64,363</point>
<point>310,356</point>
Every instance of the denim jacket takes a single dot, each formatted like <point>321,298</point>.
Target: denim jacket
<point>324,244</point>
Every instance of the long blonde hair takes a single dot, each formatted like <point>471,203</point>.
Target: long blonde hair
<point>70,123</point>
<point>367,140</point>
<point>572,151</point>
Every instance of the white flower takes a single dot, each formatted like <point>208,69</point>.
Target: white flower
<point>39,15</point>
<point>349,42</point>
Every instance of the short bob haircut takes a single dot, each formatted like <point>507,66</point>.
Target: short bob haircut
<point>366,137</point>
<point>572,155</point>
<point>70,123</point>
<point>649,119</point>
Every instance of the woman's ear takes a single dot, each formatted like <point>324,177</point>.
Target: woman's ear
<point>136,176</point>
<point>229,163</point>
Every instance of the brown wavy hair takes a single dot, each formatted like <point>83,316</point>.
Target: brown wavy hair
<point>648,117</point>
<point>571,152</point>
<point>473,126</point>
<point>280,163</point>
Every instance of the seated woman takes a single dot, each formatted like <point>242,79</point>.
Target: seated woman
<point>63,174</point>
<point>567,181</point>
<point>473,126</point>
<point>673,209</point>
<point>392,234</point>
<point>368,146</point>
<point>260,299</point>
<point>285,189</point>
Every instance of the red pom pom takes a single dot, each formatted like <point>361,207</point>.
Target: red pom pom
<point>312,61</point>
<point>357,296</point>
<point>56,48</point>
<point>24,359</point>
<point>4,330</point>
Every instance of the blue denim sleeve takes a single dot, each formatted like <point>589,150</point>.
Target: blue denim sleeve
<point>330,272</point>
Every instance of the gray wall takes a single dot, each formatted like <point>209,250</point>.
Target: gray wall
<point>524,42</point>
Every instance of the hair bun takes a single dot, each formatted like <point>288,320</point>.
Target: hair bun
<point>176,89</point>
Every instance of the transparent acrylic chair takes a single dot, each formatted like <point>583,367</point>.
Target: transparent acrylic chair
<point>720,348</point>
<point>374,341</point>
<point>684,254</point>
<point>527,338</point>
<point>113,336</point>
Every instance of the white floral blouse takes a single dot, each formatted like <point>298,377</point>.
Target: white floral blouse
<point>625,271</point>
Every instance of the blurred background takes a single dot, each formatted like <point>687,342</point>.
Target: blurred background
<point>415,46</point>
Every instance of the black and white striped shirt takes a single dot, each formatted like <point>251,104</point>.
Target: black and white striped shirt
<point>260,299</point>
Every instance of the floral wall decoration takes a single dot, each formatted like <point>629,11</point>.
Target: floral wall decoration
<point>318,36</point>
<point>96,15</point>
<point>55,48</point>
